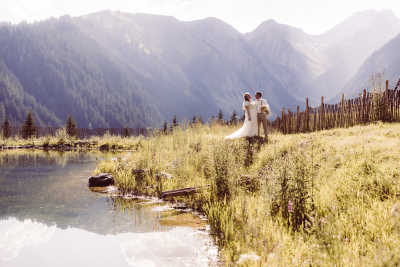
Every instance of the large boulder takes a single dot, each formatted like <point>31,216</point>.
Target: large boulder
<point>101,179</point>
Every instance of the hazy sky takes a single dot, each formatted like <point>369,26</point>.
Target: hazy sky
<point>313,16</point>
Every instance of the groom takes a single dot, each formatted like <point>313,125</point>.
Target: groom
<point>261,116</point>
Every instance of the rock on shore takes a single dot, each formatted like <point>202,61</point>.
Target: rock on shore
<point>101,179</point>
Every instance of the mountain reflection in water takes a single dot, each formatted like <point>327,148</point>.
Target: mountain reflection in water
<point>49,217</point>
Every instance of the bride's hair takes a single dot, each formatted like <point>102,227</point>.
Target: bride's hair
<point>244,96</point>
<point>245,99</point>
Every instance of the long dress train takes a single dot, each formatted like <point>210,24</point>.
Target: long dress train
<point>249,128</point>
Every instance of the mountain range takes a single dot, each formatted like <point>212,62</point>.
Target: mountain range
<point>114,69</point>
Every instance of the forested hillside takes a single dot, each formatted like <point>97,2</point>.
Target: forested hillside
<point>15,102</point>
<point>68,72</point>
<point>113,69</point>
<point>191,68</point>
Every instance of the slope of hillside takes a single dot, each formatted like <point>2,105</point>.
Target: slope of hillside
<point>15,102</point>
<point>68,72</point>
<point>320,65</point>
<point>197,67</point>
<point>386,60</point>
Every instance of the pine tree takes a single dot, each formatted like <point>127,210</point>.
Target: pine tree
<point>127,132</point>
<point>6,128</point>
<point>28,128</point>
<point>174,122</point>
<point>70,125</point>
<point>165,126</point>
<point>194,120</point>
<point>233,117</point>
<point>200,120</point>
<point>220,116</point>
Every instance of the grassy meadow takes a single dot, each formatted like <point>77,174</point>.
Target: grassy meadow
<point>329,198</point>
<point>322,199</point>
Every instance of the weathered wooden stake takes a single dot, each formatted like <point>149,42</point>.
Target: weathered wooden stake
<point>307,111</point>
<point>321,125</point>
<point>289,122</point>
<point>363,105</point>
<point>386,101</point>
<point>298,119</point>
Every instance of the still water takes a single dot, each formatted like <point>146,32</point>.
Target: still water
<point>50,217</point>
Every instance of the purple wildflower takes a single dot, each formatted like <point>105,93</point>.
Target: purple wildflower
<point>290,206</point>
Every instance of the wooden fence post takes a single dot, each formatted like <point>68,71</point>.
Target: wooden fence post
<point>298,119</point>
<point>387,101</point>
<point>363,105</point>
<point>289,122</point>
<point>342,112</point>
<point>321,125</point>
<point>277,123</point>
<point>315,119</point>
<point>307,110</point>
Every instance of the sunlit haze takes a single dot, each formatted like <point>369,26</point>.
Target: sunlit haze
<point>313,16</point>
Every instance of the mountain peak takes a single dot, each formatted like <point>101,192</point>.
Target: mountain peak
<point>356,22</point>
<point>271,24</point>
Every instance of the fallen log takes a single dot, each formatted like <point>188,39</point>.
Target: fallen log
<point>181,192</point>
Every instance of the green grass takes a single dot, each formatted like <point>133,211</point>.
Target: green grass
<point>343,184</point>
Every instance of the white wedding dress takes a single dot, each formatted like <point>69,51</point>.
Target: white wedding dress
<point>250,128</point>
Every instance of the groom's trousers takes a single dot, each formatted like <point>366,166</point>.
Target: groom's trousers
<point>262,118</point>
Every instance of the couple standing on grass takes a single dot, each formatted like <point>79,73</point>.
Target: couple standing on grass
<point>256,113</point>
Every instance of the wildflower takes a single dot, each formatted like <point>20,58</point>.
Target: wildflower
<point>323,220</point>
<point>248,257</point>
<point>338,236</point>
<point>312,219</point>
<point>333,208</point>
<point>347,240</point>
<point>290,205</point>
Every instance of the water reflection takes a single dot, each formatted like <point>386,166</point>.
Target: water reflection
<point>48,216</point>
<point>14,235</point>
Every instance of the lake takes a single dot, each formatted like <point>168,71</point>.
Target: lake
<point>50,217</point>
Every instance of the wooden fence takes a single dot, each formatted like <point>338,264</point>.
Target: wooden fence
<point>368,107</point>
<point>83,132</point>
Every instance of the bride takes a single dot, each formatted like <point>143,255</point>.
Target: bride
<point>250,126</point>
